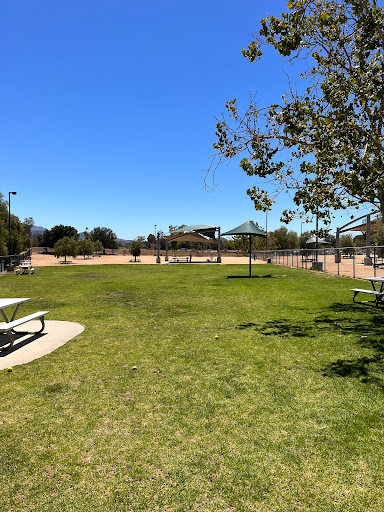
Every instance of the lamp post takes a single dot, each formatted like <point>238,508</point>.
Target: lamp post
<point>9,220</point>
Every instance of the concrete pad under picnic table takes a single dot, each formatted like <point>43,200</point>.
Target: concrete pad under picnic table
<point>28,347</point>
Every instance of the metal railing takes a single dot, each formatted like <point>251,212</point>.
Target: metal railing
<point>356,262</point>
<point>13,259</point>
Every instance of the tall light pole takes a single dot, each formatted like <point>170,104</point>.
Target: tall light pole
<point>9,220</point>
<point>266,230</point>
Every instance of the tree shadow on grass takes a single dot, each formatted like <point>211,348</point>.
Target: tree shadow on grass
<point>280,327</point>
<point>368,370</point>
<point>367,325</point>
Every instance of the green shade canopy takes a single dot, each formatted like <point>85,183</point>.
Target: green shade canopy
<point>248,228</point>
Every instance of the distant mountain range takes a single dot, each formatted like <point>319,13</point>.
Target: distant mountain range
<point>39,230</point>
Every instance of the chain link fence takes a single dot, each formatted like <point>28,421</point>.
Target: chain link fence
<point>356,262</point>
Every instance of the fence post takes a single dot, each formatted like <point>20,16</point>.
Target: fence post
<point>354,257</point>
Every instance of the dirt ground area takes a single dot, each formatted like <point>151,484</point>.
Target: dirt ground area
<point>48,260</point>
<point>347,267</point>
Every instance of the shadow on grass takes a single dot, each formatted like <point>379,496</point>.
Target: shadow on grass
<point>279,328</point>
<point>249,277</point>
<point>367,325</point>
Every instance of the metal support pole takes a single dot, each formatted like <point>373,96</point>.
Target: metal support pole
<point>250,255</point>
<point>368,259</point>
<point>218,245</point>
<point>317,237</point>
<point>337,255</point>
<point>158,260</point>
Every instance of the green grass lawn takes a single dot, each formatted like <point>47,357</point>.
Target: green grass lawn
<point>189,391</point>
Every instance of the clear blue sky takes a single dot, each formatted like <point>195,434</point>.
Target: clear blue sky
<point>107,111</point>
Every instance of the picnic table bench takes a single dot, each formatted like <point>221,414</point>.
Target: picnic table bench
<point>8,326</point>
<point>378,294</point>
<point>180,260</point>
<point>25,267</point>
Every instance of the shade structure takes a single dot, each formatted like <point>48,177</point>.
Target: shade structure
<point>312,240</point>
<point>189,237</point>
<point>203,229</point>
<point>250,229</point>
<point>363,227</point>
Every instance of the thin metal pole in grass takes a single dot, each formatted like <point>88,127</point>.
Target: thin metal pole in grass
<point>353,253</point>
<point>374,262</point>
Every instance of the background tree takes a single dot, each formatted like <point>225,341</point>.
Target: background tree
<point>85,247</point>
<point>286,239</point>
<point>58,232</point>
<point>3,226</point>
<point>66,247</point>
<point>151,239</point>
<point>331,124</point>
<point>20,232</point>
<point>98,246</point>
<point>106,236</point>
<point>27,225</point>
<point>241,243</point>
<point>260,244</point>
<point>346,242</point>
<point>135,248</point>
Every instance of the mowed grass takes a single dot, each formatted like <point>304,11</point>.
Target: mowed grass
<point>189,390</point>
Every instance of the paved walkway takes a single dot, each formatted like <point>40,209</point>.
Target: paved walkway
<point>28,347</point>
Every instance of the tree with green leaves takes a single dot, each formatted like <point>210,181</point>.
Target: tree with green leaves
<point>20,231</point>
<point>151,239</point>
<point>98,246</point>
<point>3,226</point>
<point>85,247</point>
<point>66,247</point>
<point>346,243</point>
<point>330,124</point>
<point>58,232</point>
<point>106,236</point>
<point>135,248</point>
<point>286,239</point>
